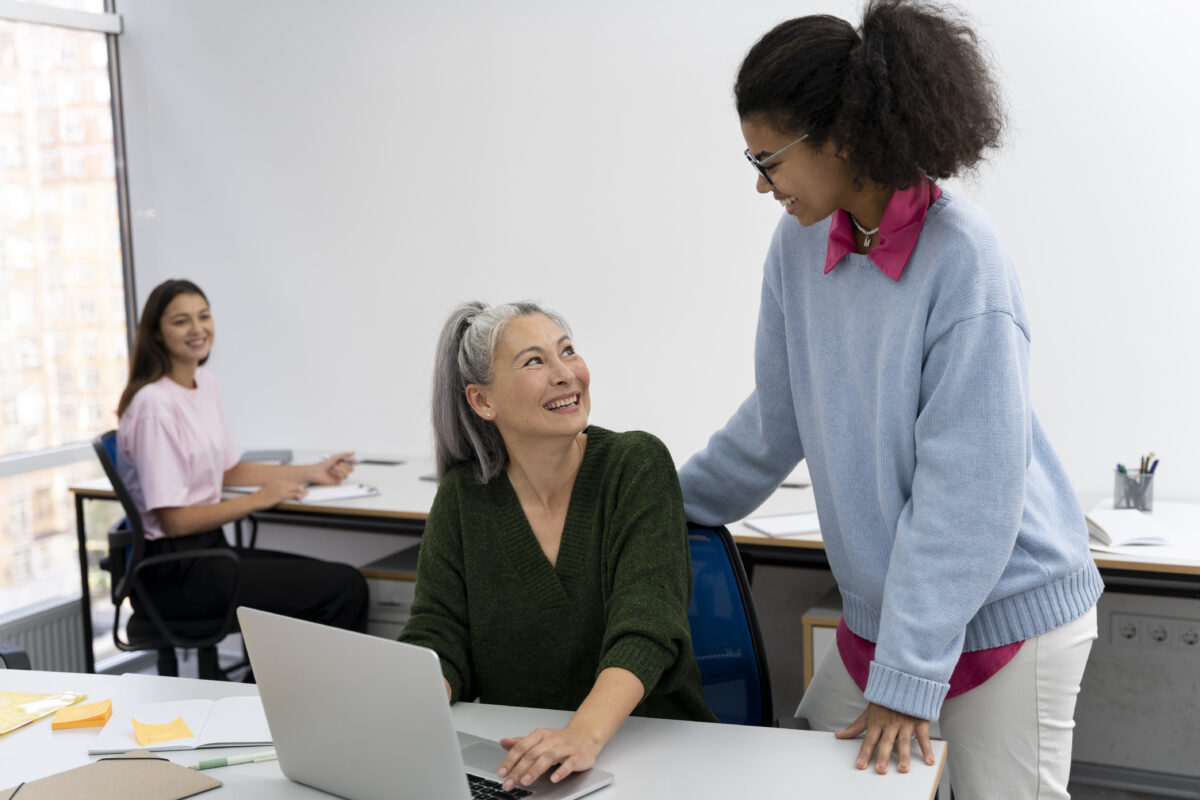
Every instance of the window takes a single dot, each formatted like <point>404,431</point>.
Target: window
<point>65,359</point>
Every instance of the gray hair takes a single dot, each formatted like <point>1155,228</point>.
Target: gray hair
<point>466,351</point>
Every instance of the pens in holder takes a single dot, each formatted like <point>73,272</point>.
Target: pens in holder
<point>248,758</point>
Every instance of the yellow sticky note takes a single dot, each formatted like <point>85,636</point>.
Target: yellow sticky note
<point>148,734</point>
<point>88,715</point>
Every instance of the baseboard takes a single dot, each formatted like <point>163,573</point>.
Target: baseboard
<point>1160,784</point>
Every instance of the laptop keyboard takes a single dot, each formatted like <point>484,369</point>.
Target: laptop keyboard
<point>483,789</point>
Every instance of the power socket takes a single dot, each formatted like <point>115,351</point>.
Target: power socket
<point>1155,633</point>
<point>1127,629</point>
<point>1159,633</point>
<point>1187,636</point>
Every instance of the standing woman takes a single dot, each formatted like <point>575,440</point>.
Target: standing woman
<point>175,453</point>
<point>554,569</point>
<point>892,354</point>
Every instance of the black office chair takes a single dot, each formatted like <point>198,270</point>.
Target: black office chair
<point>127,561</point>
<point>725,634</point>
<point>13,657</point>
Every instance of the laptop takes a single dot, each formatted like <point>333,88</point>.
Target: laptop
<point>366,718</point>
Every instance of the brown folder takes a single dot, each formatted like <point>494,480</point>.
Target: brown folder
<point>136,775</point>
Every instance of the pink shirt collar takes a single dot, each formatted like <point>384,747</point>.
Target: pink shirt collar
<point>898,230</point>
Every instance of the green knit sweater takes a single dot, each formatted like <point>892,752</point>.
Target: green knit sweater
<point>510,628</point>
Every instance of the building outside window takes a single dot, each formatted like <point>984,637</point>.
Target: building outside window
<point>61,304</point>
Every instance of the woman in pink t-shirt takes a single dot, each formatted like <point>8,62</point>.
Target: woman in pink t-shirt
<point>174,453</point>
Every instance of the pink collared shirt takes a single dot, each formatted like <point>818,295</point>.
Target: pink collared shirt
<point>899,231</point>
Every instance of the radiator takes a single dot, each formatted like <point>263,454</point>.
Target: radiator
<point>51,633</point>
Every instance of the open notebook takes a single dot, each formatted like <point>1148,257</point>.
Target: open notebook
<point>228,722</point>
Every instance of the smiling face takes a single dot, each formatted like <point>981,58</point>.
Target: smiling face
<point>186,330</point>
<point>809,182</point>
<point>539,383</point>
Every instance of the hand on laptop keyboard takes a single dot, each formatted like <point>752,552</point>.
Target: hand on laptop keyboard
<point>483,789</point>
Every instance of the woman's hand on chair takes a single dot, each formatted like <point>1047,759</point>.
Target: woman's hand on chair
<point>886,729</point>
<point>276,492</point>
<point>332,470</point>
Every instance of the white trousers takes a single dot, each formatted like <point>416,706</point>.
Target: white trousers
<point>1009,737</point>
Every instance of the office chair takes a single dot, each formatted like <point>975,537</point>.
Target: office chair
<point>127,560</point>
<point>725,634</point>
<point>13,657</point>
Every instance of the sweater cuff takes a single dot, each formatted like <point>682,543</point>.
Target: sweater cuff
<point>454,679</point>
<point>907,694</point>
<point>644,657</point>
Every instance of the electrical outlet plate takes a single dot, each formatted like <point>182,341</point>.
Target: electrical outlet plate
<point>1155,633</point>
<point>1127,629</point>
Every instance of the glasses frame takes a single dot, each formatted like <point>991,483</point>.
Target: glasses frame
<point>760,165</point>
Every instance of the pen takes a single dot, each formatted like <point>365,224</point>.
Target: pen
<point>1121,469</point>
<point>1153,466</point>
<point>248,758</point>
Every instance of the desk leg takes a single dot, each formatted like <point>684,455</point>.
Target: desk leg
<point>86,599</point>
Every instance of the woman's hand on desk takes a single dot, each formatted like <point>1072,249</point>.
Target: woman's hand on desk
<point>332,470</point>
<point>886,728</point>
<point>531,755</point>
<point>275,492</point>
<point>614,695</point>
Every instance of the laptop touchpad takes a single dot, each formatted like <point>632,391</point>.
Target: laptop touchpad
<point>484,756</point>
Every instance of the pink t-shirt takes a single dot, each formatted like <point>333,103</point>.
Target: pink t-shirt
<point>173,447</point>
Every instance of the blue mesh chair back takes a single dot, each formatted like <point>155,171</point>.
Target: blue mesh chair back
<point>725,634</point>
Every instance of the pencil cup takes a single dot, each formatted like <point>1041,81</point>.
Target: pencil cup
<point>1133,490</point>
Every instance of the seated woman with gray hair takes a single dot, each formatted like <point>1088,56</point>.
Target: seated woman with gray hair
<point>554,569</point>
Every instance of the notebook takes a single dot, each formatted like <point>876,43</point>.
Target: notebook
<point>366,718</point>
<point>319,494</point>
<point>228,722</point>
<point>1125,526</point>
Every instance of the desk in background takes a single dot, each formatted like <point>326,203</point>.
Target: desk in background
<point>650,758</point>
<point>401,507</point>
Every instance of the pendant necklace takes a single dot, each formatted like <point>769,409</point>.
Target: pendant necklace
<point>864,232</point>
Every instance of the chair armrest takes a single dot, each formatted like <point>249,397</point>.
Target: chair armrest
<point>13,657</point>
<point>156,616</point>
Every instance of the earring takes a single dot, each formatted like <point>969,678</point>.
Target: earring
<point>488,415</point>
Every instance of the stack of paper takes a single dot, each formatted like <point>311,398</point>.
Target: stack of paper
<point>786,524</point>
<point>320,494</point>
<point>1125,526</point>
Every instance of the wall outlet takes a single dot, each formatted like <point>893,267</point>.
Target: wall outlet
<point>1155,633</point>
<point>1187,636</point>
<point>1127,629</point>
<point>1158,633</point>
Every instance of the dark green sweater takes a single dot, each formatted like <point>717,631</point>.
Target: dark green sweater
<point>512,629</point>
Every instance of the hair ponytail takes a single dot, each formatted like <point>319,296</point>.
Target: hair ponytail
<point>910,92</point>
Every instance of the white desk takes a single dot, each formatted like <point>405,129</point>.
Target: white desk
<point>650,758</point>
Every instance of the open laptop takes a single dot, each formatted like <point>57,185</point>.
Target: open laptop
<point>366,718</point>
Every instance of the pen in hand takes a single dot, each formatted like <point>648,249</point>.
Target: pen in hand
<point>248,758</point>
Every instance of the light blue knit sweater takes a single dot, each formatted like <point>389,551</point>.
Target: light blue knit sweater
<point>948,520</point>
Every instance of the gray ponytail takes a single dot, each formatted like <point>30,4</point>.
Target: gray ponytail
<point>466,351</point>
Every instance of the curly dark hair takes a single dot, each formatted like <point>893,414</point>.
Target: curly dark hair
<point>910,92</point>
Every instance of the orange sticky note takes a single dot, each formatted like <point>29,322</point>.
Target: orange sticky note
<point>148,734</point>
<point>89,715</point>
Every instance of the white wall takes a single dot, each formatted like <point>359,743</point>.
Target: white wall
<point>336,176</point>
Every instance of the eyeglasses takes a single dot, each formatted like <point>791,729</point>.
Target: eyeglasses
<point>758,165</point>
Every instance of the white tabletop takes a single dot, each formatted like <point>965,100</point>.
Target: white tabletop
<point>650,758</point>
<point>404,490</point>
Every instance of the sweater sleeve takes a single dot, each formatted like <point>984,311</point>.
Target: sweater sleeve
<point>957,531</point>
<point>648,570</point>
<point>439,611</point>
<point>745,461</point>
